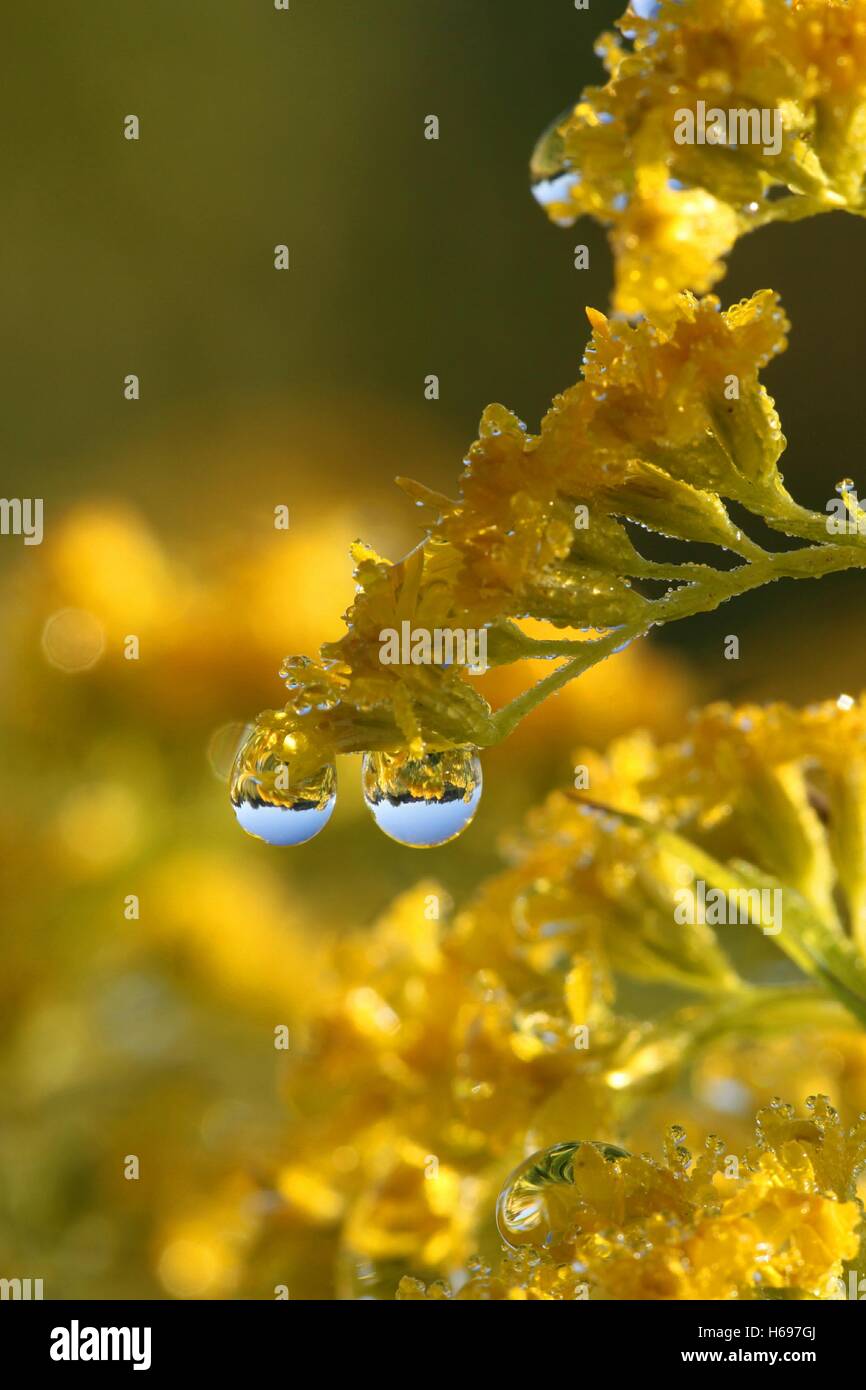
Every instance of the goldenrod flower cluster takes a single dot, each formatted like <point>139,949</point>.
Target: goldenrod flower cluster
<point>453,1045</point>
<point>543,529</point>
<point>675,208</point>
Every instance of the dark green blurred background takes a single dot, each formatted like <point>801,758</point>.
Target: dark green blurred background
<point>408,256</point>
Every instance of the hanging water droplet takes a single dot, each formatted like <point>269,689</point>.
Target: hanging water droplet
<point>552,175</point>
<point>548,157</point>
<point>542,1200</point>
<point>422,802</point>
<point>270,803</point>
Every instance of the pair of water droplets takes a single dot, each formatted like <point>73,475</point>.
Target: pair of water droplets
<point>419,802</point>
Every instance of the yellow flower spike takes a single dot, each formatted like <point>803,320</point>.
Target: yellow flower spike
<point>715,120</point>
<point>669,422</point>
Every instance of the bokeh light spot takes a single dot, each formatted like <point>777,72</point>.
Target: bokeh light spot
<point>73,640</point>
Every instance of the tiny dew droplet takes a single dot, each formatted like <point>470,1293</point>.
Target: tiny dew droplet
<point>542,1200</point>
<point>422,802</point>
<point>269,803</point>
<point>845,485</point>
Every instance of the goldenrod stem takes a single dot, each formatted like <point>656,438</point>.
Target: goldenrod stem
<point>809,562</point>
<point>671,1042</point>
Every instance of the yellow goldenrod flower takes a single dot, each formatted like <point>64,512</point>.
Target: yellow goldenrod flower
<point>715,120</point>
<point>669,422</point>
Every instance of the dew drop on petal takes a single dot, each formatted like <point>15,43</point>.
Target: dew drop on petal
<point>548,157</point>
<point>552,175</point>
<point>422,802</point>
<point>542,1200</point>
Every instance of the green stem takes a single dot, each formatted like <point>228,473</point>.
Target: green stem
<point>650,1054</point>
<point>809,562</point>
<point>590,654</point>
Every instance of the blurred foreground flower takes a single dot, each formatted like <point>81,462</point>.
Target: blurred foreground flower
<point>452,1047</point>
<point>155,1032</point>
